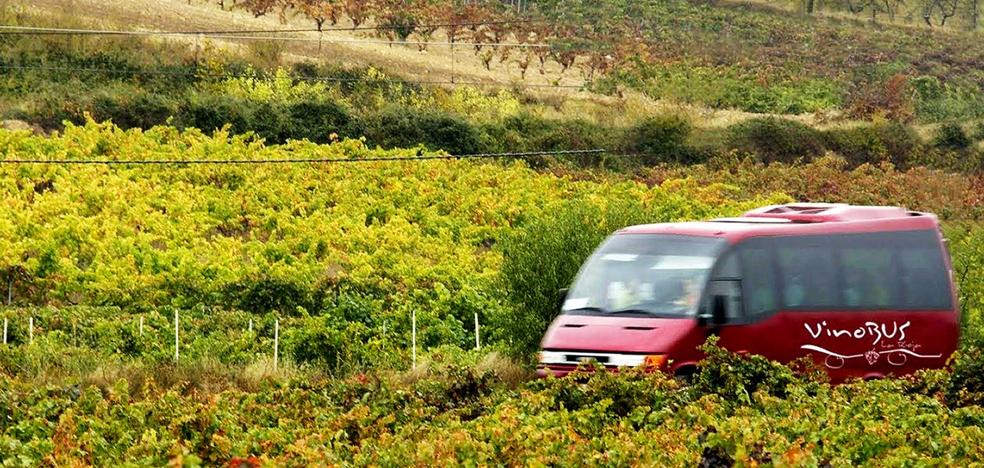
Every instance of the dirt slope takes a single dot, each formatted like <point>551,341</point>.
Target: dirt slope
<point>434,64</point>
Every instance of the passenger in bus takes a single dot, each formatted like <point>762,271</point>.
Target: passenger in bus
<point>795,291</point>
<point>761,298</point>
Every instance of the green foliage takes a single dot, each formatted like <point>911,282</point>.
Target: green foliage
<point>940,100</point>
<point>530,133</point>
<point>403,127</point>
<point>295,240</point>
<point>736,378</point>
<point>872,144</point>
<point>978,132</point>
<point>951,136</point>
<point>662,139</point>
<point>542,258</point>
<point>724,88</point>
<point>774,139</point>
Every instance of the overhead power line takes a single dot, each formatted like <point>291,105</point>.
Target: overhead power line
<point>298,160</point>
<point>328,79</point>
<point>41,30</point>
<point>18,30</point>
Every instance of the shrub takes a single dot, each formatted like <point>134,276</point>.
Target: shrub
<point>884,140</point>
<point>273,120</point>
<point>50,110</point>
<point>209,112</point>
<point>773,139</point>
<point>403,127</point>
<point>951,136</point>
<point>316,121</point>
<point>736,377</point>
<point>326,341</point>
<point>889,96</point>
<point>541,259</point>
<point>859,145</point>
<point>966,383</point>
<point>900,140</point>
<point>527,132</point>
<point>662,139</point>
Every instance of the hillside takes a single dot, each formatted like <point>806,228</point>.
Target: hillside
<point>730,56</point>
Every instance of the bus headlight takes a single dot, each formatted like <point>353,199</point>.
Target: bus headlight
<point>654,362</point>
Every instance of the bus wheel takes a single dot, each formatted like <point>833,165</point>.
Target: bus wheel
<point>686,374</point>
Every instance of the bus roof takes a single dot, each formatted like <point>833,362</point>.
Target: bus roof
<point>798,219</point>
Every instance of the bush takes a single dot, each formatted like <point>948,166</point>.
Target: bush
<point>951,136</point>
<point>541,259</point>
<point>316,121</point>
<point>274,121</point>
<point>966,383</point>
<point>773,139</point>
<point>403,127</point>
<point>736,377</point>
<point>527,132</point>
<point>859,145</point>
<point>873,143</point>
<point>209,112</point>
<point>129,108</point>
<point>899,139</point>
<point>326,341</point>
<point>662,139</point>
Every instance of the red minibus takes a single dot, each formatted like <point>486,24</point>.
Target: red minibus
<point>866,291</point>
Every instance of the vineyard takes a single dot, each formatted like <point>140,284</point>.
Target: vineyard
<point>217,250</point>
<point>99,258</point>
<point>727,55</point>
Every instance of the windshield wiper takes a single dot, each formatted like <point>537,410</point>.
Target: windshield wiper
<point>586,309</point>
<point>629,311</point>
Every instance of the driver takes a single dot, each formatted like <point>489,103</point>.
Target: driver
<point>689,293</point>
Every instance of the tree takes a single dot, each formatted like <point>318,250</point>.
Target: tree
<point>321,11</point>
<point>944,8</point>
<point>358,11</point>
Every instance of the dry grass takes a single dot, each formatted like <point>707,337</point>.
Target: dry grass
<point>434,64</point>
<point>201,377</point>
<point>505,370</point>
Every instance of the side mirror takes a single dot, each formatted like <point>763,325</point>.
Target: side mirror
<point>561,298</point>
<point>719,309</point>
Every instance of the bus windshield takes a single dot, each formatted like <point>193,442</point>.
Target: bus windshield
<point>645,274</point>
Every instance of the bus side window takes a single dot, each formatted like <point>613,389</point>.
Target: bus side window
<point>726,282</point>
<point>868,275</point>
<point>924,278</point>
<point>809,275</point>
<point>758,280</point>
